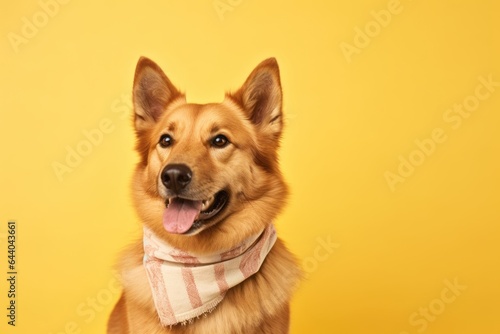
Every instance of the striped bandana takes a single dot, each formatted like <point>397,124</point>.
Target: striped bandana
<point>186,286</point>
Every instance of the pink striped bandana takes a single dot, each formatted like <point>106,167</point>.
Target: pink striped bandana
<point>186,286</point>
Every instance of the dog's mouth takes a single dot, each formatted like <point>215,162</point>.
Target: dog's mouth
<point>185,216</point>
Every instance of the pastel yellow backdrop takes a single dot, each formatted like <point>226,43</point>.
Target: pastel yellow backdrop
<point>390,150</point>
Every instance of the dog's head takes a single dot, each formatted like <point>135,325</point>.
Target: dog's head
<point>208,175</point>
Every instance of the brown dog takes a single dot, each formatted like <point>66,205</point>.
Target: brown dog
<point>207,189</point>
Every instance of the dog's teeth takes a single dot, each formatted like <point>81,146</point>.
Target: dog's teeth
<point>205,204</point>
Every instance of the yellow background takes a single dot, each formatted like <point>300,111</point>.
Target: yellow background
<point>349,119</point>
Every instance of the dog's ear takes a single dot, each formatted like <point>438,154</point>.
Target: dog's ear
<point>152,92</point>
<point>261,98</point>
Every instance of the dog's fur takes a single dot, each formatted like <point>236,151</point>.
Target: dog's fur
<point>246,167</point>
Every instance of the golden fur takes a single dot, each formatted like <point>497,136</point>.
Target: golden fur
<point>251,118</point>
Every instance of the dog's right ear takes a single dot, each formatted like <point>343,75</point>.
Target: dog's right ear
<point>152,93</point>
<point>261,98</point>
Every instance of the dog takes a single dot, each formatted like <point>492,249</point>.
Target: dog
<point>207,189</point>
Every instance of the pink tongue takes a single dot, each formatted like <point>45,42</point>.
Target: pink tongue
<point>180,214</point>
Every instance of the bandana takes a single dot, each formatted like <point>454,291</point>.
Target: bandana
<point>186,286</point>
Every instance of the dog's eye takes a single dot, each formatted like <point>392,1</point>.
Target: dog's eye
<point>220,141</point>
<point>166,140</point>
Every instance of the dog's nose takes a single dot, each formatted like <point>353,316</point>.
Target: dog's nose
<point>176,177</point>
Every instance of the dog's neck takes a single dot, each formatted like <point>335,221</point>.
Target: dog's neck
<point>186,286</point>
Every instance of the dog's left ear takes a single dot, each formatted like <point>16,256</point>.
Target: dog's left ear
<point>261,98</point>
<point>152,93</point>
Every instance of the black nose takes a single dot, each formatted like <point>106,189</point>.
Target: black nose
<point>176,177</point>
